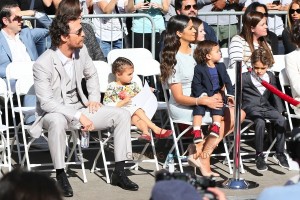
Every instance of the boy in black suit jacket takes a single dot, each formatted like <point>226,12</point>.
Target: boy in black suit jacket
<point>261,104</point>
<point>210,79</point>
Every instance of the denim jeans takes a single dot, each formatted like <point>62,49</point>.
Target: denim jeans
<point>39,36</point>
<point>107,46</point>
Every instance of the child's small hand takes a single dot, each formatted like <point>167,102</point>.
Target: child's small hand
<point>122,95</point>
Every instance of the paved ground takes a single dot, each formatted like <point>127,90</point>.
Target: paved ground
<point>96,187</point>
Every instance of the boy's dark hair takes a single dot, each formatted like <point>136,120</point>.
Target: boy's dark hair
<point>119,63</point>
<point>261,55</point>
<point>203,48</point>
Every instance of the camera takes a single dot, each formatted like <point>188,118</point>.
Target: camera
<point>198,182</point>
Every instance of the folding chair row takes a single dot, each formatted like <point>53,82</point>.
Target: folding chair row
<point>5,153</point>
<point>20,77</point>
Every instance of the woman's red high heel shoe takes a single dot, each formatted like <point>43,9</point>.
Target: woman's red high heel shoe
<point>163,135</point>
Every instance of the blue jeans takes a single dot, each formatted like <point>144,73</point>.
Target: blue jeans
<point>107,46</point>
<point>39,36</point>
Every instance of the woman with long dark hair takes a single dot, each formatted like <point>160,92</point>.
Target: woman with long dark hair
<point>177,70</point>
<point>293,16</point>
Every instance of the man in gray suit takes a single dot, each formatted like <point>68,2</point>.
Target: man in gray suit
<point>61,102</point>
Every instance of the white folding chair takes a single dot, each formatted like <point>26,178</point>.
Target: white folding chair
<point>24,86</point>
<point>5,157</point>
<point>132,54</point>
<point>105,77</point>
<point>14,71</point>
<point>177,136</point>
<point>225,57</point>
<point>279,63</point>
<point>284,83</point>
<point>144,65</point>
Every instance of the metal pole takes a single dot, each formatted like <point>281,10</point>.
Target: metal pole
<point>236,182</point>
<point>237,124</point>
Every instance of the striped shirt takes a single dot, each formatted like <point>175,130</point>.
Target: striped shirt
<point>239,49</point>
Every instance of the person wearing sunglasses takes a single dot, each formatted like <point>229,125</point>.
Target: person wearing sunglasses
<point>16,43</point>
<point>61,102</point>
<point>292,17</point>
<point>190,9</point>
<point>224,25</point>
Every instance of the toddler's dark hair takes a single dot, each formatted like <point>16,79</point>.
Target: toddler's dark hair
<point>203,48</point>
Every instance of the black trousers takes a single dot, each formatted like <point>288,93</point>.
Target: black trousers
<point>259,119</point>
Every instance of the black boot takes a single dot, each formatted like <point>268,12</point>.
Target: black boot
<point>64,185</point>
<point>120,179</point>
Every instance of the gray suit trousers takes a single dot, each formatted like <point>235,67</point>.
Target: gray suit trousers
<point>106,117</point>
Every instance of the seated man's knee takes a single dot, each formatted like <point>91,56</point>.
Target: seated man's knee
<point>56,121</point>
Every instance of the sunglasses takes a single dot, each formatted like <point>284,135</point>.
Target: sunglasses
<point>17,18</point>
<point>292,11</point>
<point>78,32</point>
<point>188,7</point>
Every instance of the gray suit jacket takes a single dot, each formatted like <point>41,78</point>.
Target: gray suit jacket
<point>50,86</point>
<point>252,100</point>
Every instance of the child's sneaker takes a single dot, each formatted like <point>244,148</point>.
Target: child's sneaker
<point>214,130</point>
<point>260,162</point>
<point>281,159</point>
<point>198,136</point>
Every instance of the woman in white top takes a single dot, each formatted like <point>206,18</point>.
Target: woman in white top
<point>177,70</point>
<point>252,36</point>
<point>292,64</point>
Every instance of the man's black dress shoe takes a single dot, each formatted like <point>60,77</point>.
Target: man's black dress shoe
<point>120,179</point>
<point>64,185</point>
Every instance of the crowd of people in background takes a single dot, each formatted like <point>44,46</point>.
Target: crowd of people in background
<point>187,45</point>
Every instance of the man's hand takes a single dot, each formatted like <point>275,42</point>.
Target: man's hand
<point>93,106</point>
<point>219,5</point>
<point>86,123</point>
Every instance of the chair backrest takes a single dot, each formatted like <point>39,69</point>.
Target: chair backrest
<point>3,88</point>
<point>16,70</point>
<point>104,74</point>
<point>231,73</point>
<point>132,54</point>
<point>284,82</point>
<point>3,94</point>
<point>225,56</point>
<point>25,86</point>
<point>279,63</point>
